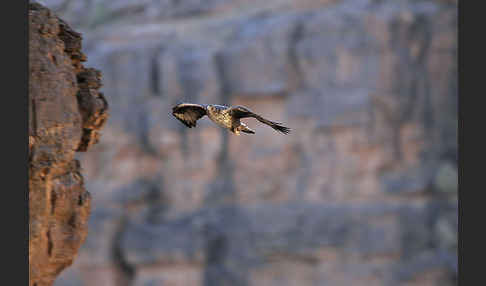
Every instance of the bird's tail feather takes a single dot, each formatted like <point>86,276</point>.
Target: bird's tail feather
<point>248,131</point>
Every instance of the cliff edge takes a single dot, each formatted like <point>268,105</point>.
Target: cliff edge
<point>66,112</point>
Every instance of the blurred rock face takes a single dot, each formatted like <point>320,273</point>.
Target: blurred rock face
<point>362,192</point>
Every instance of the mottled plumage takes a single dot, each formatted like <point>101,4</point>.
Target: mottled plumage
<point>225,116</point>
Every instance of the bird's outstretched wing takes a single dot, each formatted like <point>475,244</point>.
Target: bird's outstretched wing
<point>188,113</point>
<point>242,112</point>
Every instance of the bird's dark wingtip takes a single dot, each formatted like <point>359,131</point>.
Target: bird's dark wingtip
<point>282,129</point>
<point>177,105</point>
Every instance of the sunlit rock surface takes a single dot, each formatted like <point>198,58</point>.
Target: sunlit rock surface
<point>66,113</point>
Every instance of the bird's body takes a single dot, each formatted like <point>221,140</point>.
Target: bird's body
<point>220,115</point>
<point>224,116</point>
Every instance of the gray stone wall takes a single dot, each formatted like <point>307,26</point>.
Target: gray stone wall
<point>362,192</point>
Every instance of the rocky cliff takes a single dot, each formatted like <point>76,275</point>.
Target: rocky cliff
<point>66,113</point>
<point>363,191</point>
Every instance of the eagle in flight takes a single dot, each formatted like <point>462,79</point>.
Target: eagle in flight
<point>225,116</point>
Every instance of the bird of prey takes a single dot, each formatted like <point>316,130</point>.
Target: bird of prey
<point>225,116</point>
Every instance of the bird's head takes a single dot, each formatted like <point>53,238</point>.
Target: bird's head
<point>210,108</point>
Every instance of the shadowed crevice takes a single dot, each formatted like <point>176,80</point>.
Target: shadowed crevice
<point>53,201</point>
<point>155,75</point>
<point>49,243</point>
<point>127,272</point>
